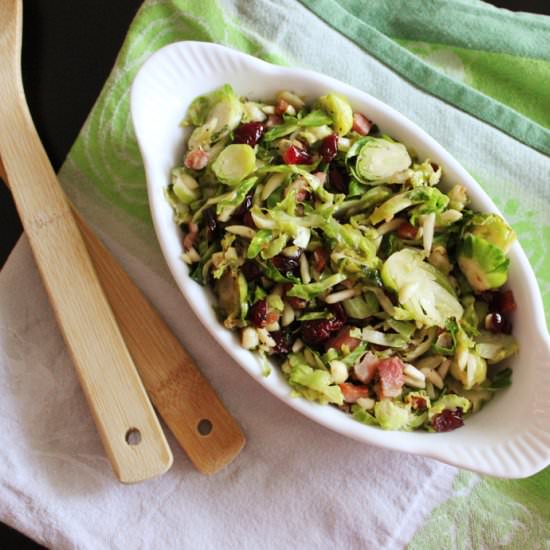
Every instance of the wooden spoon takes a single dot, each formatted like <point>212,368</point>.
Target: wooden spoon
<point>127,424</point>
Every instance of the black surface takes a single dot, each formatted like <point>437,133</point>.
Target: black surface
<point>69,48</point>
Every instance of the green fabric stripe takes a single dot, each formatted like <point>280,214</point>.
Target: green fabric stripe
<point>106,149</point>
<point>519,82</point>
<point>489,28</point>
<point>425,77</point>
<point>490,513</point>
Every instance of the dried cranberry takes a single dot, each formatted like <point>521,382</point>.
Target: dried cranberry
<point>295,155</point>
<point>258,314</point>
<point>283,342</point>
<point>494,322</point>
<point>448,420</point>
<point>293,301</point>
<point>285,265</point>
<point>329,147</point>
<point>251,271</point>
<point>244,206</point>
<point>338,180</point>
<point>339,313</point>
<point>316,331</point>
<point>249,133</point>
<point>210,221</point>
<point>336,324</point>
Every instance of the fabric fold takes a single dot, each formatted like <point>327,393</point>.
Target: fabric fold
<point>382,28</point>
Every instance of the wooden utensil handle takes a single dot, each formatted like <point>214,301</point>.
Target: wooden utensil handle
<point>181,395</point>
<point>126,421</point>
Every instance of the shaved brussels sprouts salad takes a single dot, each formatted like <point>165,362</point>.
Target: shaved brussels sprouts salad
<point>332,250</point>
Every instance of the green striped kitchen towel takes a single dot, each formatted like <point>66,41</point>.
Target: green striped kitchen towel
<point>475,77</point>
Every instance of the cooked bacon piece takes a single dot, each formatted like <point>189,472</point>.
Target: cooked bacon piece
<point>352,392</point>
<point>407,231</point>
<point>361,124</point>
<point>301,186</point>
<point>273,120</point>
<point>391,377</point>
<point>191,236</point>
<point>507,302</point>
<point>272,316</point>
<point>343,338</point>
<point>320,259</point>
<point>321,176</point>
<point>366,367</point>
<point>196,159</point>
<point>281,107</point>
<point>303,195</point>
<point>293,301</point>
<point>296,303</point>
<point>418,403</point>
<point>348,283</point>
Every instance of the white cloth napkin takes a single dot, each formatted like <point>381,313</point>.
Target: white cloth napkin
<point>295,484</point>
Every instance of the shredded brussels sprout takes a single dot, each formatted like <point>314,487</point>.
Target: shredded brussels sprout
<point>339,254</point>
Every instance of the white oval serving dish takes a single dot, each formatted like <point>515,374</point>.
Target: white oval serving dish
<point>510,437</point>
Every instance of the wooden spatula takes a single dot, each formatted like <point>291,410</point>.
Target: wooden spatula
<point>129,429</point>
<point>184,398</point>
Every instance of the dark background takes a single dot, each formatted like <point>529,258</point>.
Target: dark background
<point>69,48</point>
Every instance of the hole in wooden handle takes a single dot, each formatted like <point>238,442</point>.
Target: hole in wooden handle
<point>133,436</point>
<point>204,426</point>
